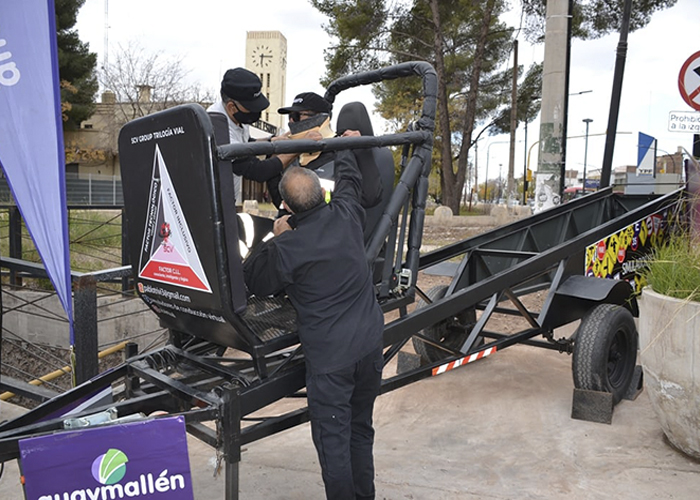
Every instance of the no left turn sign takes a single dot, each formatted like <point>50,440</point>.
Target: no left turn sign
<point>689,81</point>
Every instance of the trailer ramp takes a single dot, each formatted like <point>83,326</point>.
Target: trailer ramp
<point>559,252</point>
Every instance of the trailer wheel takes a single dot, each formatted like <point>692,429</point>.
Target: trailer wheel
<point>605,351</point>
<point>452,332</point>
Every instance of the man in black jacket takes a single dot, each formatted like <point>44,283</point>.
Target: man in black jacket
<point>317,256</point>
<point>241,105</point>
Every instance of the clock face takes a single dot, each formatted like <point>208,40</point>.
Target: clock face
<point>262,56</point>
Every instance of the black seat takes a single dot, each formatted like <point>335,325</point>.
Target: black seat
<point>354,116</point>
<point>182,225</point>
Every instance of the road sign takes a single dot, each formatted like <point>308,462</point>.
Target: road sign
<point>684,121</point>
<point>689,81</point>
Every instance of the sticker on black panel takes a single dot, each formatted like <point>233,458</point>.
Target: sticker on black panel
<point>168,253</point>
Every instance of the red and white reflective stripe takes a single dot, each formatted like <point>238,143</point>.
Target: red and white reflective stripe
<point>463,361</point>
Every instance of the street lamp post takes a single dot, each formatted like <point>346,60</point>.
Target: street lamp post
<point>500,182</point>
<point>486,177</point>
<point>488,153</point>
<point>587,121</point>
<point>525,169</point>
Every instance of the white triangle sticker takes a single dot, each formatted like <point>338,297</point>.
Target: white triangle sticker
<point>168,248</point>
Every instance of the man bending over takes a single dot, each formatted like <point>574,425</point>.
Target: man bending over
<point>317,256</point>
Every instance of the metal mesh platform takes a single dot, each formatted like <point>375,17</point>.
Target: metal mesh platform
<point>270,318</point>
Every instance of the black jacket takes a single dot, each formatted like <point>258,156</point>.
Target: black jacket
<point>248,167</point>
<point>321,265</point>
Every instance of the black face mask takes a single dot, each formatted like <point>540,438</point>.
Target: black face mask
<point>247,118</point>
<point>308,124</point>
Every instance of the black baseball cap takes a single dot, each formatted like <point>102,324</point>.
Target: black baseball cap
<point>307,101</point>
<point>244,87</point>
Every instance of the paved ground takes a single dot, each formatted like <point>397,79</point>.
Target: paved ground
<point>499,428</point>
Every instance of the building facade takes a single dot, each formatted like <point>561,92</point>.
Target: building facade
<point>266,55</point>
<point>92,151</point>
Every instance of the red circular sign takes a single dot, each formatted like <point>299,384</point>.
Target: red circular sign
<point>621,253</point>
<point>600,250</point>
<point>689,81</point>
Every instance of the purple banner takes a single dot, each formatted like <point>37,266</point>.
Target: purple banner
<point>31,136</point>
<point>144,460</point>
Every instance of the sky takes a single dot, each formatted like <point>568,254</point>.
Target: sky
<point>210,37</point>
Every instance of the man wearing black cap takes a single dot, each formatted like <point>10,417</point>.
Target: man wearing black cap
<point>310,113</point>
<point>306,105</point>
<point>241,104</point>
<point>309,118</point>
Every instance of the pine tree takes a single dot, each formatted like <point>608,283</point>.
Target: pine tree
<point>593,18</point>
<point>76,67</point>
<point>469,47</point>
<point>463,40</point>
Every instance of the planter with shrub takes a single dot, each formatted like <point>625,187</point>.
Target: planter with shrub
<point>669,335</point>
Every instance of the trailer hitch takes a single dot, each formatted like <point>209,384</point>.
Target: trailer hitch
<point>107,417</point>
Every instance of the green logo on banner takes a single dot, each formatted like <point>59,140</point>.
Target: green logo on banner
<point>110,467</point>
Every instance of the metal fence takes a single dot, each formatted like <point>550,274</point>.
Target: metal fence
<point>35,321</point>
<point>84,189</point>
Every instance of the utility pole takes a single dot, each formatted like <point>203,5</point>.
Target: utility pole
<point>105,57</point>
<point>616,95</point>
<point>510,194</point>
<point>549,179</point>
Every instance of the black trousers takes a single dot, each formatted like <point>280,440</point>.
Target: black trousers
<point>340,409</point>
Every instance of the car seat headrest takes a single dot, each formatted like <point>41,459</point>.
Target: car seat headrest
<point>354,116</point>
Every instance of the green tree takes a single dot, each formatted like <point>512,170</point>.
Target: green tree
<point>467,45</point>
<point>593,18</point>
<point>76,67</point>
<point>528,102</point>
<point>462,39</point>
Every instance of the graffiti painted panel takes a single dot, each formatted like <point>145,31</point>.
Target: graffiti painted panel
<point>622,254</point>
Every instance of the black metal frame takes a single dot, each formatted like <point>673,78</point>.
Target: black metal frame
<point>542,252</point>
<point>191,378</point>
<point>191,374</point>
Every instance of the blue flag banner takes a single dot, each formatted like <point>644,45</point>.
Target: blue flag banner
<point>646,154</point>
<point>31,137</point>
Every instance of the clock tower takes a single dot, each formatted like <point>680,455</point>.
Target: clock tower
<point>266,55</point>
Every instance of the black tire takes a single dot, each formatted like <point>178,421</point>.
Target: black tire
<point>605,351</point>
<point>452,332</point>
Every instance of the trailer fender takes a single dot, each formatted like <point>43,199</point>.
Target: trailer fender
<point>577,295</point>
